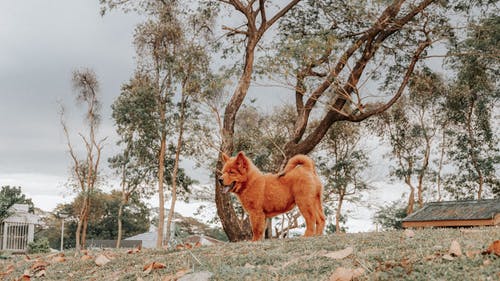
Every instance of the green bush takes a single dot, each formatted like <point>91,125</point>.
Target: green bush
<point>39,246</point>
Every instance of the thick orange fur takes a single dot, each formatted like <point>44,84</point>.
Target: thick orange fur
<point>267,195</point>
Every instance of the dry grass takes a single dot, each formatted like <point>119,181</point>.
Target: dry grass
<point>383,256</point>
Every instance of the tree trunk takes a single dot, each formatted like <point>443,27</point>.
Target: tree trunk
<point>472,145</point>
<point>78,246</point>
<point>440,166</point>
<point>161,194</point>
<point>339,213</point>
<point>120,227</point>
<point>175,171</point>
<point>421,175</point>
<point>411,197</point>
<point>235,229</point>
<point>85,224</point>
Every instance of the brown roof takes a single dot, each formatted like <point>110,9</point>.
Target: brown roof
<point>456,210</point>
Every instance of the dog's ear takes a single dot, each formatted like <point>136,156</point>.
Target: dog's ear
<point>225,157</point>
<point>242,161</point>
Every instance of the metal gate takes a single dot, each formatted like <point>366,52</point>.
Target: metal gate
<point>14,236</point>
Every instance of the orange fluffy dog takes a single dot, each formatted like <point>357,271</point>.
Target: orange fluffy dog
<point>267,195</point>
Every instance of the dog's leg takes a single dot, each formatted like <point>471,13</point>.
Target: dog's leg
<point>258,222</point>
<point>306,207</point>
<point>320,215</point>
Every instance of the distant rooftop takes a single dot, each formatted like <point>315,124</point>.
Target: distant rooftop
<point>457,210</point>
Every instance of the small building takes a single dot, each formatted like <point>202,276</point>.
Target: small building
<point>456,214</point>
<point>17,230</point>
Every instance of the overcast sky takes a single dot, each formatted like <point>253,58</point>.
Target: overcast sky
<point>42,42</point>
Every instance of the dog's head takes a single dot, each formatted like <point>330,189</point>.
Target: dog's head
<point>234,172</point>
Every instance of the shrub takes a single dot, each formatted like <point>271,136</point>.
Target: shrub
<point>39,246</point>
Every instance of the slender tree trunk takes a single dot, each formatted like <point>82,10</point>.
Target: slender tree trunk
<point>161,172</point>
<point>175,171</point>
<point>411,197</point>
<point>440,166</point>
<point>78,246</point>
<point>120,228</point>
<point>161,194</point>
<point>85,224</point>
<point>473,155</point>
<point>338,213</point>
<point>421,175</point>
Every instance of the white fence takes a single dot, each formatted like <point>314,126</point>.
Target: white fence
<point>15,236</point>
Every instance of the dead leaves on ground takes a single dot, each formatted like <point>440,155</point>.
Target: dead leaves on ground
<point>494,248</point>
<point>101,260</point>
<point>173,277</point>
<point>152,266</point>
<point>338,255</point>
<point>341,273</point>
<point>346,274</point>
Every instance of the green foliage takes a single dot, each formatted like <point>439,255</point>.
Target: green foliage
<point>103,221</point>
<point>10,195</point>
<point>391,215</point>
<point>342,168</point>
<point>469,108</point>
<point>39,246</point>
<point>261,135</point>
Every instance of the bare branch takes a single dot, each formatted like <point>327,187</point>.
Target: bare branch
<point>422,46</point>
<point>234,31</point>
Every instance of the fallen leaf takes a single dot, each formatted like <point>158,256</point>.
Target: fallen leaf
<point>25,277</point>
<point>188,246</point>
<point>338,255</point>
<point>110,255</point>
<point>152,266</point>
<point>179,247</point>
<point>173,277</point>
<point>448,257</point>
<point>39,265</point>
<point>101,260</point>
<point>198,244</point>
<point>455,249</point>
<point>494,248</point>
<point>59,259</point>
<point>250,266</point>
<point>486,262</point>
<point>27,258</point>
<point>86,257</point>
<point>40,273</point>
<point>346,274</point>
<point>135,250</point>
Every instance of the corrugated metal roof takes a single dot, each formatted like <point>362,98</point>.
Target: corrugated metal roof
<point>457,210</point>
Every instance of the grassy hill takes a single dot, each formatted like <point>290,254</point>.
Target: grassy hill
<point>394,255</point>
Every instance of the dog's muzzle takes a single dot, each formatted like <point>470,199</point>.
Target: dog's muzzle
<point>226,188</point>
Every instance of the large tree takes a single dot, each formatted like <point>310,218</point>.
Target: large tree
<point>470,109</point>
<point>410,128</point>
<point>328,52</point>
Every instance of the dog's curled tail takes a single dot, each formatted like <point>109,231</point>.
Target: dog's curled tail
<point>299,159</point>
